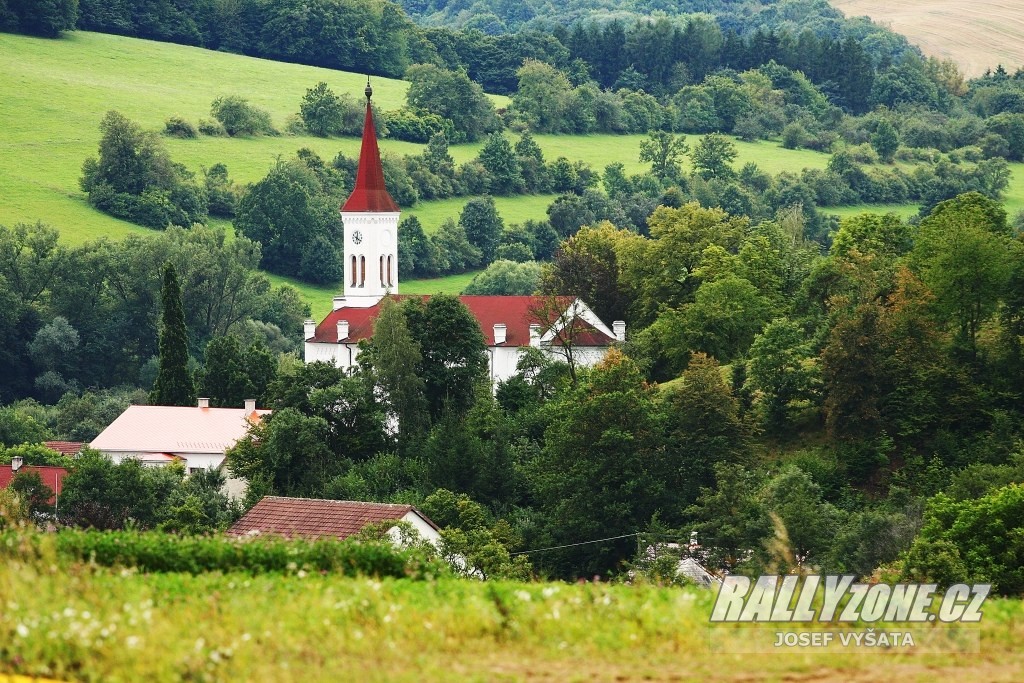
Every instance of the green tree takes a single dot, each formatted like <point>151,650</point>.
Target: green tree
<point>392,357</point>
<point>543,97</point>
<point>664,151</point>
<point>239,117</point>
<point>47,18</point>
<point>231,374</point>
<point>322,111</point>
<point>782,367</point>
<point>724,317</point>
<point>886,141</point>
<point>454,354</point>
<point>506,176</point>
<point>730,518</point>
<point>713,156</point>
<point>452,95</point>
<point>483,225</point>
<point>506,278</point>
<point>174,385</point>
<point>33,492</point>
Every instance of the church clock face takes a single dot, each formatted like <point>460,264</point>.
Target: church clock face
<point>357,237</point>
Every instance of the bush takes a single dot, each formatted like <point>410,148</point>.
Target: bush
<point>212,128</point>
<point>179,128</point>
<point>153,551</point>
<point>241,118</point>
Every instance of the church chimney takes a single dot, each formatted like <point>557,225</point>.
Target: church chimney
<point>203,403</point>
<point>337,302</point>
<point>250,406</point>
<point>619,328</point>
<point>308,329</point>
<point>342,330</point>
<point>499,333</point>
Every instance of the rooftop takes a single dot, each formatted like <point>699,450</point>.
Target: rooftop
<point>173,429</point>
<point>316,518</point>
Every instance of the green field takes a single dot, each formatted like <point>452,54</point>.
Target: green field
<point>91,624</point>
<point>511,209</point>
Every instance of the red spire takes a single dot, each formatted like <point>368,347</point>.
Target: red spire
<point>370,193</point>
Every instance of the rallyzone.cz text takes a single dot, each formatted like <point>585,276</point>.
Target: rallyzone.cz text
<point>771,599</point>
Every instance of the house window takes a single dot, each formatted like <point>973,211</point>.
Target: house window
<point>353,271</point>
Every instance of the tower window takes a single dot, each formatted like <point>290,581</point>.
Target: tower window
<point>353,271</point>
<point>362,271</point>
<point>390,282</point>
<point>382,270</point>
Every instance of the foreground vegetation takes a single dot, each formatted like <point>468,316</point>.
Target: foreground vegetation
<point>73,620</point>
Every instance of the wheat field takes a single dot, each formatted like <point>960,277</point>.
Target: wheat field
<point>976,34</point>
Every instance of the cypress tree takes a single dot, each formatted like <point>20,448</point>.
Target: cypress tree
<point>173,386</point>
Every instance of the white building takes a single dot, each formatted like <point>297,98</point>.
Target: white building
<point>556,325</point>
<point>197,437</point>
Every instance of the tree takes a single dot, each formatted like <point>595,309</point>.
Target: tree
<point>782,368</point>
<point>33,492</point>
<point>47,18</point>
<point>963,255</point>
<point>885,140</point>
<point>506,176</point>
<point>703,427</point>
<point>322,111</point>
<point>454,354</point>
<point>239,117</point>
<point>664,151</point>
<point>135,179</point>
<point>543,97</point>
<point>452,95</point>
<point>506,278</point>
<point>724,317</point>
<point>232,374</point>
<point>483,225</point>
<point>713,156</point>
<point>391,358</point>
<point>174,385</point>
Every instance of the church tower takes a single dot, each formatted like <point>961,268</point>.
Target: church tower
<point>369,221</point>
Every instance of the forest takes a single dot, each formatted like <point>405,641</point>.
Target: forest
<point>802,391</point>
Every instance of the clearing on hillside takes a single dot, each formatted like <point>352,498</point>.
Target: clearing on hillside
<point>976,34</point>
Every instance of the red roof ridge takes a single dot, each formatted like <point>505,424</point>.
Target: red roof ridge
<point>370,194</point>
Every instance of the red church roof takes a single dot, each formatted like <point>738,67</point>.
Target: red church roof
<point>517,313</point>
<point>370,194</point>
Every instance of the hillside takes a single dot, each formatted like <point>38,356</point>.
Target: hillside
<point>977,35</point>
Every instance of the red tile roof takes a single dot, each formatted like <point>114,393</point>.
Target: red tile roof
<point>52,477</point>
<point>369,193</point>
<point>517,313</point>
<point>315,518</point>
<point>69,448</point>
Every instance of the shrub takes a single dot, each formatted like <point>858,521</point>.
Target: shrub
<point>179,128</point>
<point>241,118</point>
<point>212,128</point>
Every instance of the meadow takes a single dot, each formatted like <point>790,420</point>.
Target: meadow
<point>85,623</point>
<point>977,35</point>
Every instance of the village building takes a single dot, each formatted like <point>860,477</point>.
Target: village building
<point>197,437</point>
<point>311,519</point>
<point>563,327</point>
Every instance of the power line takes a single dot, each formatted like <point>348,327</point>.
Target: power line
<point>571,545</point>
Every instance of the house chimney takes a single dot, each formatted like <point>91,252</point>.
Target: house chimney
<point>16,462</point>
<point>342,330</point>
<point>619,328</point>
<point>534,334</point>
<point>308,329</point>
<point>203,403</point>
<point>499,333</point>
<point>337,302</point>
<point>250,406</point>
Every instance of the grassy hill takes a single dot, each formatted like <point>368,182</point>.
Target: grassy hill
<point>977,35</point>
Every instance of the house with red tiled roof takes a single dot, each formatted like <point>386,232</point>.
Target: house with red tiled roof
<point>52,477</point>
<point>314,518</point>
<point>563,327</point>
<point>198,437</point>
<point>68,448</point>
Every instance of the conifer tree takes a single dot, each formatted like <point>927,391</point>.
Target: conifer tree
<point>173,386</point>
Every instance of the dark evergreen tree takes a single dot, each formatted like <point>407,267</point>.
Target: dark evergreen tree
<point>173,386</point>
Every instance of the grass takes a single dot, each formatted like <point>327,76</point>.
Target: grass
<point>511,209</point>
<point>92,624</point>
<point>977,35</point>
<point>901,210</point>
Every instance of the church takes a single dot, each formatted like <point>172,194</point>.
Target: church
<point>563,327</point>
